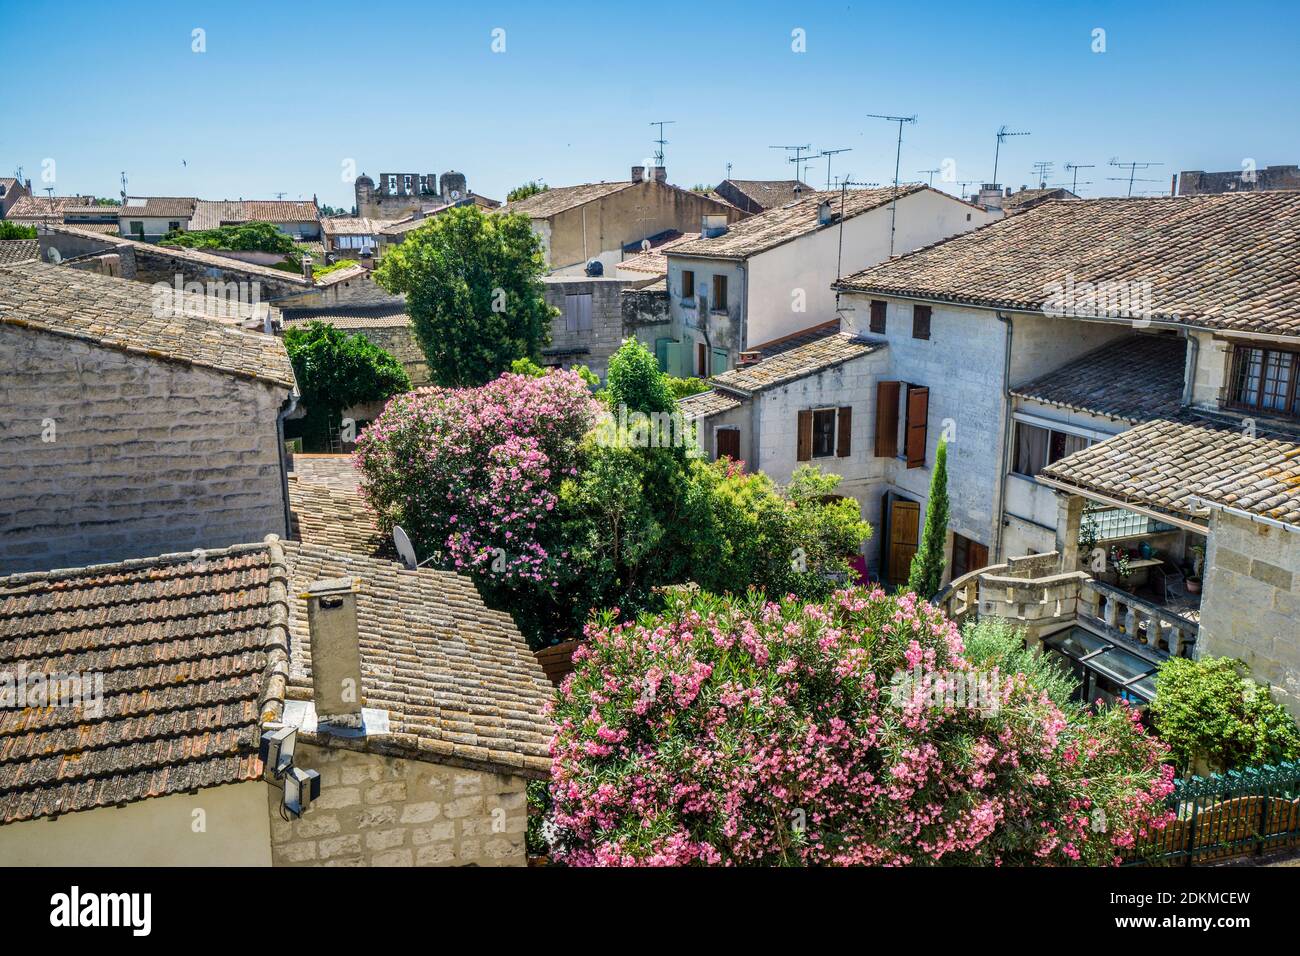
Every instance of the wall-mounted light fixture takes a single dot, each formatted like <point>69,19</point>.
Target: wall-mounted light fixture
<point>299,787</point>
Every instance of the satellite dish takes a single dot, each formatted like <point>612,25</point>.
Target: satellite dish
<point>645,245</point>
<point>404,549</point>
<point>54,255</point>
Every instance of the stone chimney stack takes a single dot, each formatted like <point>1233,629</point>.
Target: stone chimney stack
<point>306,267</point>
<point>661,174</point>
<point>638,174</point>
<point>335,651</point>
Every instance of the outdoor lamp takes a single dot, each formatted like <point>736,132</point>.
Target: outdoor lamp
<point>301,787</point>
<point>276,751</point>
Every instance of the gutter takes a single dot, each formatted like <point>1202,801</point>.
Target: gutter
<point>1126,505</point>
<point>289,406</point>
<point>1003,463</point>
<point>1247,515</point>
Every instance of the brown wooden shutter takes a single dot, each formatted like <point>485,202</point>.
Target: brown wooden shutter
<point>978,556</point>
<point>845,424</point>
<point>887,419</point>
<point>729,443</point>
<point>877,317</point>
<point>805,436</point>
<point>918,414</point>
<point>920,321</point>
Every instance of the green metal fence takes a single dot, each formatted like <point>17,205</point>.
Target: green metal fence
<point>1239,813</point>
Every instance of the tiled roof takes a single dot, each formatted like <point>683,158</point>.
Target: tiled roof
<point>45,207</point>
<point>210,214</point>
<point>704,404</point>
<point>655,260</point>
<point>1169,466</point>
<point>346,274</point>
<point>1224,262</point>
<point>816,356</point>
<point>336,471</point>
<point>103,228</point>
<point>119,314</point>
<point>795,339</point>
<point>768,193</point>
<point>559,198</point>
<point>1134,378</point>
<point>457,679</point>
<point>1028,198</point>
<point>186,646</point>
<point>382,316</point>
<point>19,250</point>
<point>335,517</point>
<point>785,223</point>
<point>354,225</point>
<point>158,207</point>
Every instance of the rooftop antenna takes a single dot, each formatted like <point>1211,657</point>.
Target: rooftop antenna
<point>798,151</point>
<point>1132,169</point>
<point>898,153</point>
<point>124,187</point>
<point>1043,169</point>
<point>49,191</point>
<point>828,153</point>
<point>18,173</point>
<point>728,170</point>
<point>929,173</point>
<point>659,153</point>
<point>279,195</point>
<point>1002,134</point>
<point>1074,168</point>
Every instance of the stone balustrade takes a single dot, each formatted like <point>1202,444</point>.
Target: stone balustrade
<point>1159,628</point>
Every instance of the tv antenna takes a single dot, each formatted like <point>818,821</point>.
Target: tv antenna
<point>124,187</point>
<point>828,153</point>
<point>797,158</point>
<point>728,170</point>
<point>1132,170</point>
<point>279,195</point>
<point>1042,170</point>
<point>1074,168</point>
<point>929,173</point>
<point>661,142</point>
<point>844,185</point>
<point>898,153</point>
<point>1002,134</point>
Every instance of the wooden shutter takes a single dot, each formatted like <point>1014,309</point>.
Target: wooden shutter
<point>845,425</point>
<point>920,321</point>
<point>918,414</point>
<point>887,419</point>
<point>701,360</point>
<point>729,443</point>
<point>877,317</point>
<point>978,556</point>
<point>805,436</point>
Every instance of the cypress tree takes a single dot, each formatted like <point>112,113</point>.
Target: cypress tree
<point>926,575</point>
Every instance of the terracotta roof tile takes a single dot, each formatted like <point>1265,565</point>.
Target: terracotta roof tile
<point>19,250</point>
<point>704,404</point>
<point>120,314</point>
<point>1223,262</point>
<point>557,199</point>
<point>808,359</point>
<point>158,207</point>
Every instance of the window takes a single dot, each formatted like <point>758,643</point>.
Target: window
<point>688,284</point>
<point>1265,380</point>
<point>173,226</point>
<point>137,227</point>
<point>824,432</point>
<point>877,317</point>
<point>577,312</point>
<point>719,293</point>
<point>406,184</point>
<point>702,360</point>
<point>1038,447</point>
<point>920,321</point>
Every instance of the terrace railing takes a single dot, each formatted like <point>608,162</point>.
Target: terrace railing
<point>1160,629</point>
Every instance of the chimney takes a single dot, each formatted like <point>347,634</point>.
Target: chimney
<point>712,225</point>
<point>661,174</point>
<point>306,267</point>
<point>335,651</point>
<point>824,213</point>
<point>990,196</point>
<point>638,174</point>
<point>745,359</point>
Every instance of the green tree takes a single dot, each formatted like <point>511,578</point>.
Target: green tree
<point>635,381</point>
<point>12,230</point>
<point>1208,710</point>
<point>474,293</point>
<point>926,576</point>
<point>335,371</point>
<point>247,237</point>
<point>530,188</point>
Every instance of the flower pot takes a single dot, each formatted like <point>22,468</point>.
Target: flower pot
<point>1193,585</point>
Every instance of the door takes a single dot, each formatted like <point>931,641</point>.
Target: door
<point>701,360</point>
<point>904,535</point>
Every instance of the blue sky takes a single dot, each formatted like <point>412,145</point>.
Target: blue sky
<point>285,94</point>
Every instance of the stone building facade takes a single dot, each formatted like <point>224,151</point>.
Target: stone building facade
<point>377,810</point>
<point>589,327</point>
<point>1197,183</point>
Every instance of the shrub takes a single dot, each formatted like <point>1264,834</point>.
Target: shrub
<point>474,474</point>
<point>14,230</point>
<point>336,370</point>
<point>636,382</point>
<point>740,731</point>
<point>248,237</point>
<point>1209,710</point>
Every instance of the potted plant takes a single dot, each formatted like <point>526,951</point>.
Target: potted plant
<point>1089,535</point>
<point>1123,571</point>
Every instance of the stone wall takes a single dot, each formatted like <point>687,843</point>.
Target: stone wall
<point>377,810</point>
<point>1251,603</point>
<point>594,347</point>
<point>147,456</point>
<point>1197,183</point>
<point>400,342</point>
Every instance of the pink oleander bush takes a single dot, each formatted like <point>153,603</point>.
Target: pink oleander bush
<point>474,473</point>
<point>738,731</point>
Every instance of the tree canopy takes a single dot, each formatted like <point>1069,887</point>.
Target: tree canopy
<point>246,237</point>
<point>474,293</point>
